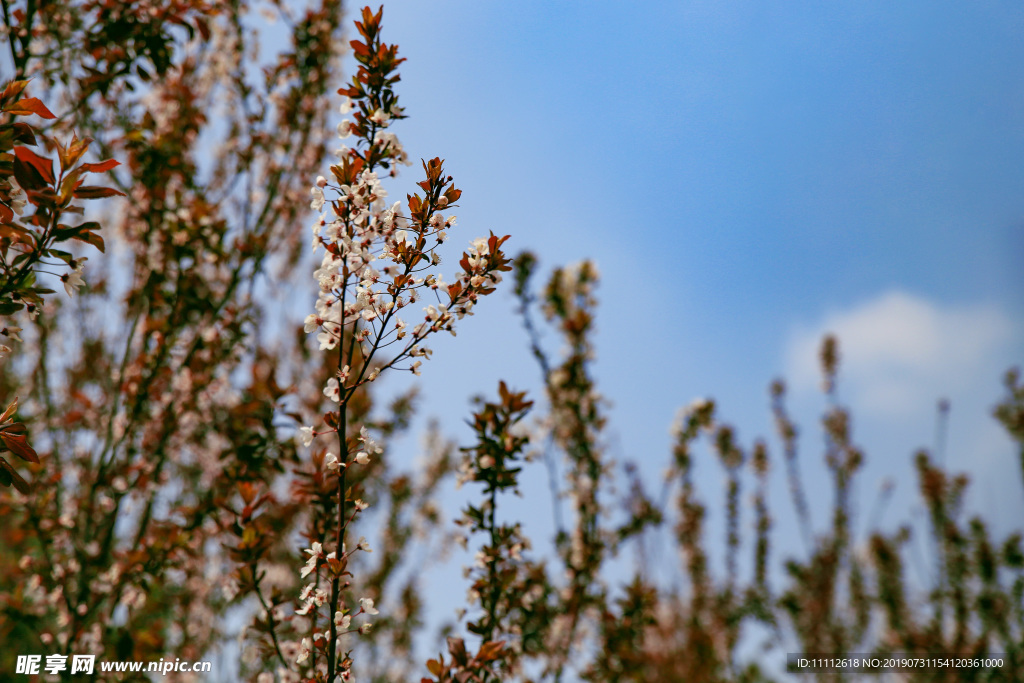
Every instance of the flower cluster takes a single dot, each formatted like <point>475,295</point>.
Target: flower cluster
<point>378,263</point>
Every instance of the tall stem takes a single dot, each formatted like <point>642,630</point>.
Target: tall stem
<point>332,644</point>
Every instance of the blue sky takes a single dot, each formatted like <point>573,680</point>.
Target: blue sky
<point>742,174</point>
<point>747,176</point>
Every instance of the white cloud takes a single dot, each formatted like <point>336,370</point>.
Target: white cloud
<point>900,353</point>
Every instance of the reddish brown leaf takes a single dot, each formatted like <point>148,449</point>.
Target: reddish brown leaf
<point>18,445</point>
<point>491,650</point>
<point>16,233</point>
<point>95,192</point>
<point>13,89</point>
<point>74,151</point>
<point>42,197</point>
<point>204,28</point>
<point>41,164</point>
<point>28,176</point>
<point>10,410</point>
<point>29,105</point>
<point>93,239</point>
<point>79,146</point>
<point>101,166</point>
<point>12,477</point>
<point>457,647</point>
<point>23,133</point>
<point>248,491</point>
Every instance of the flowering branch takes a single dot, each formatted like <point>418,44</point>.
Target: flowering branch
<point>360,303</point>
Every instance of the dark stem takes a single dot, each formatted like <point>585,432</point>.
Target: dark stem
<point>343,460</point>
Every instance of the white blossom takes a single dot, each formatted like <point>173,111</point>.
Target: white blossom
<point>19,199</point>
<point>318,199</point>
<point>332,463</point>
<point>333,390</point>
<point>305,651</point>
<point>73,280</point>
<point>314,552</point>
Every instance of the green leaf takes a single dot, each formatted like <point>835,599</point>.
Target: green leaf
<point>64,256</point>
